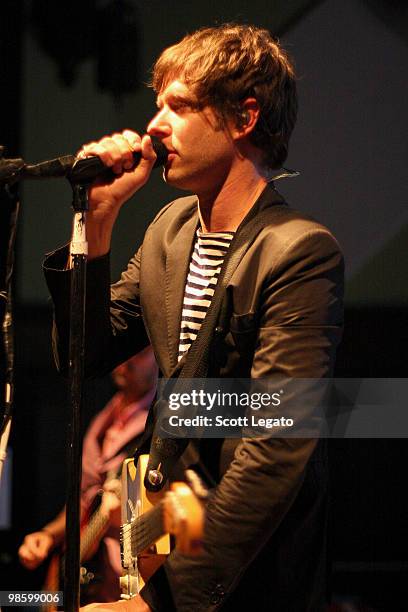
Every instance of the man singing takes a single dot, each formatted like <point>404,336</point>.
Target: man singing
<point>227,105</point>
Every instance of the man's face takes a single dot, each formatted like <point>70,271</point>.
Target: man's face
<point>201,153</point>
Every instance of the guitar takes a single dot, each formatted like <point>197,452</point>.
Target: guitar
<point>149,518</point>
<point>91,535</point>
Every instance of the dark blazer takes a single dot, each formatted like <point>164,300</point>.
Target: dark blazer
<point>265,525</point>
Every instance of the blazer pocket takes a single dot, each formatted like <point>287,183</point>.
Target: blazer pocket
<point>244,331</point>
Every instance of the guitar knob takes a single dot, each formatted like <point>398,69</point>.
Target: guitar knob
<point>155,477</point>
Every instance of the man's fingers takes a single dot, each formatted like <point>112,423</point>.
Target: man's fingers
<point>148,156</point>
<point>25,554</point>
<point>116,151</point>
<point>133,138</point>
<point>147,148</point>
<point>112,485</point>
<point>43,547</point>
<point>28,558</point>
<point>95,148</point>
<point>125,151</point>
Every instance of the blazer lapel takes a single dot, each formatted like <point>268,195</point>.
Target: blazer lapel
<point>177,265</point>
<point>179,245</point>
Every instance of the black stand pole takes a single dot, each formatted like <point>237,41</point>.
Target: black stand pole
<point>79,252</point>
<point>10,205</point>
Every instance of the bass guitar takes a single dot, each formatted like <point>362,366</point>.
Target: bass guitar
<point>92,532</point>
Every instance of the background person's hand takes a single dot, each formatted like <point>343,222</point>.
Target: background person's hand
<point>35,548</point>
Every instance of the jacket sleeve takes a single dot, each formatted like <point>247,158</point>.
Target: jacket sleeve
<point>114,329</point>
<point>300,322</point>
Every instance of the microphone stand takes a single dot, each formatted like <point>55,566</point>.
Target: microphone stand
<point>9,214</point>
<point>10,206</point>
<point>11,172</point>
<point>80,174</point>
<point>79,256</point>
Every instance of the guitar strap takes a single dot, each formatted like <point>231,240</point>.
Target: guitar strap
<point>164,452</point>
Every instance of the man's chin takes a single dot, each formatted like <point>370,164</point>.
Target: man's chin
<point>174,179</point>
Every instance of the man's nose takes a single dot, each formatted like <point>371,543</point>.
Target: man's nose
<point>158,126</point>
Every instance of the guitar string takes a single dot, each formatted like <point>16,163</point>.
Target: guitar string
<point>95,525</point>
<point>142,540</point>
<point>147,529</point>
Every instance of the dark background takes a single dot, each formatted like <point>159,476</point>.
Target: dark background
<point>60,87</point>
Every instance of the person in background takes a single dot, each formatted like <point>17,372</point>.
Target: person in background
<point>106,444</point>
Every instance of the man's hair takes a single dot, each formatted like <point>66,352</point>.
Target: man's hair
<point>227,64</point>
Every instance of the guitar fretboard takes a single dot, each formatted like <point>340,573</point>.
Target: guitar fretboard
<point>144,530</point>
<point>92,533</point>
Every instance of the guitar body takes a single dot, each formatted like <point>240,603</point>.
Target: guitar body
<point>136,501</point>
<point>148,519</point>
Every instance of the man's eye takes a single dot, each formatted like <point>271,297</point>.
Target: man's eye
<point>178,106</point>
<point>181,106</point>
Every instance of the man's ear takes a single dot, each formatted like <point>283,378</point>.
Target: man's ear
<point>246,120</point>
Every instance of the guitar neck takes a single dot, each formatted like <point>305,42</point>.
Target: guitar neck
<point>92,533</point>
<point>145,530</point>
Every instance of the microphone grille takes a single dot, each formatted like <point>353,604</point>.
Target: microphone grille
<point>160,150</point>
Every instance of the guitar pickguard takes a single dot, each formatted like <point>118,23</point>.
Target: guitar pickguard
<point>136,501</point>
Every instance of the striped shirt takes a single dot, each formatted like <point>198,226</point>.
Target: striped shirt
<point>205,265</point>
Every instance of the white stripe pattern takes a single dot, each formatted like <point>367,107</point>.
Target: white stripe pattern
<point>205,265</point>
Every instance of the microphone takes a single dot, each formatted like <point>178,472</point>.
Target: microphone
<point>75,170</point>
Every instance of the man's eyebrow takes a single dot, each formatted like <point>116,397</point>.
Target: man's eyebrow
<point>176,97</point>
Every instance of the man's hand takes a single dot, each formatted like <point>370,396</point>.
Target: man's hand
<point>106,199</point>
<point>35,549</point>
<point>116,152</point>
<point>136,604</point>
